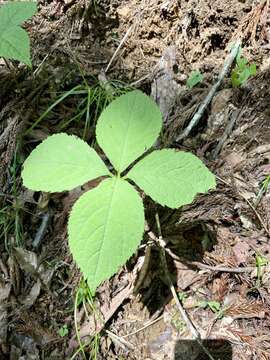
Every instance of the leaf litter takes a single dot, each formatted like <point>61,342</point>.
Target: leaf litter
<point>227,228</point>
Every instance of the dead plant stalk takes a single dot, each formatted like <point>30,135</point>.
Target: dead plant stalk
<point>227,64</point>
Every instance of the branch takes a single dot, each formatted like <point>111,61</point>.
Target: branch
<point>227,64</point>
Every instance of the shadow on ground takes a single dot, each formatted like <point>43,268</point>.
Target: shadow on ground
<point>192,350</point>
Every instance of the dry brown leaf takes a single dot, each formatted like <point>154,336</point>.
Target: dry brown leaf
<point>246,310</point>
<point>241,252</point>
<point>220,287</point>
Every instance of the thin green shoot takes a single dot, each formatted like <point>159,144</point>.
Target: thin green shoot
<point>85,298</point>
<point>81,346</point>
<point>95,98</point>
<point>263,189</point>
<point>73,91</point>
<point>64,124</point>
<point>87,116</point>
<point>266,182</point>
<point>260,261</point>
<point>80,349</point>
<point>95,5</point>
<point>95,344</point>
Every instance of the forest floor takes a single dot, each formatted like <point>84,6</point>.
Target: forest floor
<point>218,248</point>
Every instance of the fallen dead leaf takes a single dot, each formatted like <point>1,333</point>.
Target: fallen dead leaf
<point>241,252</point>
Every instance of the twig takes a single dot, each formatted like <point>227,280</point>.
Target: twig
<point>228,129</point>
<point>115,303</point>
<point>223,181</point>
<point>42,229</point>
<point>257,215</point>
<point>7,64</point>
<point>40,65</point>
<point>179,305</point>
<point>227,64</point>
<point>149,323</point>
<point>221,268</point>
<point>217,268</point>
<point>144,269</point>
<point>137,82</point>
<point>250,204</point>
<point>121,342</point>
<point>184,315</point>
<point>118,48</point>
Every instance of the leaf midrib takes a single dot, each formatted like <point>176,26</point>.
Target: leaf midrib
<point>125,142</point>
<point>106,223</point>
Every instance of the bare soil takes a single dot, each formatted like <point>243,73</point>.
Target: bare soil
<point>212,245</point>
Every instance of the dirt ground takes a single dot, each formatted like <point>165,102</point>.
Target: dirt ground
<point>217,248</point>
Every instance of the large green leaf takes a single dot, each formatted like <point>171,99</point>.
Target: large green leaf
<point>172,178</point>
<point>128,127</point>
<point>16,12</point>
<point>61,162</point>
<point>105,227</point>
<point>14,41</point>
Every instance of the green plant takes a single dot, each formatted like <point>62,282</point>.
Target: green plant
<point>14,41</point>
<point>106,224</point>
<point>63,331</point>
<point>92,99</point>
<point>84,298</point>
<point>260,261</point>
<point>214,306</point>
<point>266,182</point>
<point>242,70</point>
<point>182,296</point>
<point>194,78</point>
<point>263,189</point>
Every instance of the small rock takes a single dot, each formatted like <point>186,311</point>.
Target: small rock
<point>124,11</point>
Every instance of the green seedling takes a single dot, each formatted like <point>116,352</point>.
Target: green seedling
<point>182,296</point>
<point>242,70</point>
<point>84,298</point>
<point>63,331</point>
<point>266,182</point>
<point>261,261</point>
<point>14,41</point>
<point>82,295</point>
<point>106,224</point>
<point>263,189</point>
<point>194,79</point>
<point>214,306</point>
